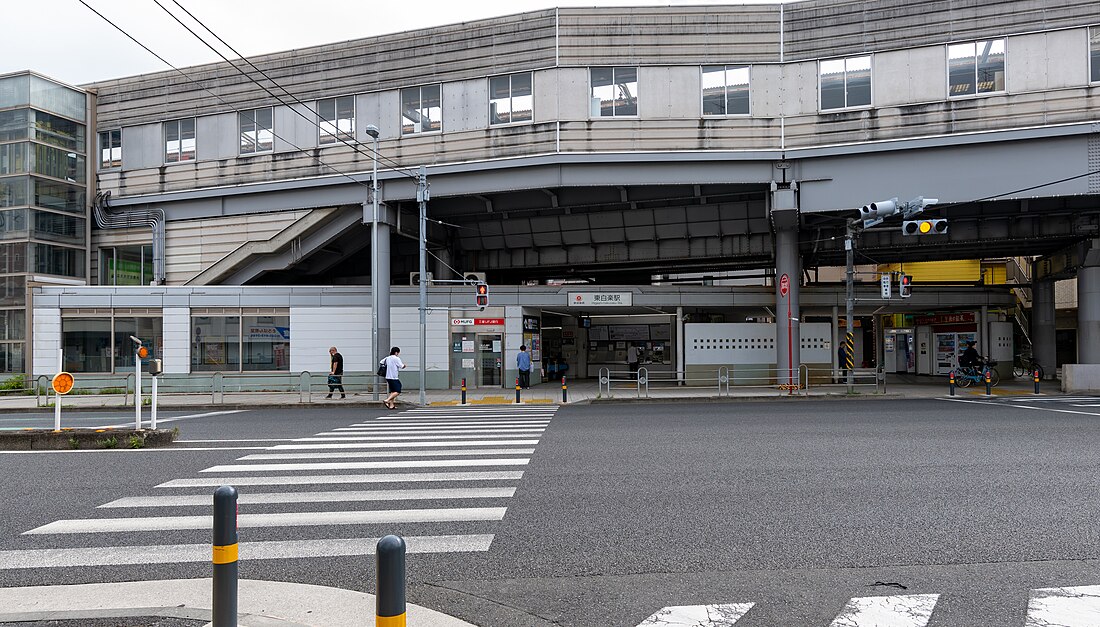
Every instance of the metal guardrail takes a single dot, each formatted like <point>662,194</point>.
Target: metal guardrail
<point>862,378</point>
<point>609,377</point>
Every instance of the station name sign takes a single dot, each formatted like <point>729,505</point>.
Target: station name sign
<point>951,318</point>
<point>601,299</point>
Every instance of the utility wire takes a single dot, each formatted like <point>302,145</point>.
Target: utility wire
<point>216,96</point>
<point>376,154</point>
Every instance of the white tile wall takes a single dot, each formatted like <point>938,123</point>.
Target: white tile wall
<point>314,329</point>
<point>177,340</point>
<point>405,334</point>
<point>47,339</point>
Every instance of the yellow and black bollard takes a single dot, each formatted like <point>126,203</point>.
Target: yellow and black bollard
<point>518,401</point>
<point>1036,380</point>
<point>463,390</point>
<point>951,382</point>
<point>988,382</point>
<point>390,600</point>
<point>564,393</point>
<point>225,557</point>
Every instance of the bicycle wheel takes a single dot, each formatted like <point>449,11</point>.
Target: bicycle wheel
<point>1020,371</point>
<point>963,378</point>
<point>994,378</point>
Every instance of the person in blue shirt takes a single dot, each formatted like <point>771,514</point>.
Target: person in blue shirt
<point>523,363</point>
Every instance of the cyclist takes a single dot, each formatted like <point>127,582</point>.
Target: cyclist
<point>970,357</point>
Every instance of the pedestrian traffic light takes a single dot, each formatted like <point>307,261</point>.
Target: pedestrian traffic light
<point>482,291</point>
<point>905,286</point>
<point>934,226</point>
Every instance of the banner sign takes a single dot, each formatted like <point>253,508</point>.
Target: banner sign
<point>601,299</point>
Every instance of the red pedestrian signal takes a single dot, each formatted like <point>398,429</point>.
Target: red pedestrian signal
<point>482,291</point>
<point>905,287</point>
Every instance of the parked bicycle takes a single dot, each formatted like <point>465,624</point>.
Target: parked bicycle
<point>967,375</point>
<point>1026,367</point>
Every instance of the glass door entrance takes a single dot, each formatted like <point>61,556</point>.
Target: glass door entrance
<point>490,360</point>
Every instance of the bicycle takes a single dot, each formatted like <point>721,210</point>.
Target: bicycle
<point>1026,367</point>
<point>967,375</point>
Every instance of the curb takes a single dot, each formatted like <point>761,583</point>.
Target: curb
<point>261,603</point>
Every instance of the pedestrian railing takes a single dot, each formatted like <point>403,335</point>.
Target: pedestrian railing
<point>638,381</point>
<point>864,380</point>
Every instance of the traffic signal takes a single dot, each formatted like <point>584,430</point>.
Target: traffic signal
<point>142,352</point>
<point>933,226</point>
<point>905,286</point>
<point>482,291</point>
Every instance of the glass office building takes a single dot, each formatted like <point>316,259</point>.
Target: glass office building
<point>43,198</point>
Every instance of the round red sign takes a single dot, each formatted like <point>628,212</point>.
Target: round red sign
<point>784,285</point>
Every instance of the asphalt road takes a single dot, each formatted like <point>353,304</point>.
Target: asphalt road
<point>796,506</point>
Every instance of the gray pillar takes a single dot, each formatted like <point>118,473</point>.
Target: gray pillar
<point>441,269</point>
<point>383,287</point>
<point>836,342</point>
<point>1043,341</point>
<point>1088,315</point>
<point>788,264</point>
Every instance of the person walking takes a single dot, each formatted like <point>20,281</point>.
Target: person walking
<point>632,359</point>
<point>394,365</point>
<point>335,373</point>
<point>523,363</point>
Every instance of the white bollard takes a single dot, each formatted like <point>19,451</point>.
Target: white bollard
<point>153,406</point>
<point>56,396</point>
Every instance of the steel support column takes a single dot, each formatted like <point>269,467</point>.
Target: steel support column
<point>1043,341</point>
<point>383,287</point>
<point>1088,315</point>
<point>788,278</point>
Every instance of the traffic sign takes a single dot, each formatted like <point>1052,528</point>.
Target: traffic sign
<point>63,383</point>
<point>784,285</point>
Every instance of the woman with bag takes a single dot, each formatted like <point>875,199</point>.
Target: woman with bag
<point>392,366</point>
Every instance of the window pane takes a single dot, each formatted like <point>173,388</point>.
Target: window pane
<point>58,163</point>
<point>60,196</point>
<point>256,131</point>
<point>737,91</point>
<point>626,83</point>
<point>523,97</point>
<point>13,191</point>
<point>832,84</point>
<point>57,260</point>
<point>991,65</point>
<point>500,100</point>
<point>13,224</point>
<point>13,158</point>
<point>146,329</point>
<point>858,81</point>
<point>110,149</point>
<point>345,117</point>
<point>410,110</point>
<point>1094,53</point>
<point>714,90</point>
<point>215,343</point>
<point>431,107</point>
<point>13,258</point>
<point>126,266</point>
<point>171,141</point>
<point>58,227</point>
<point>187,139</point>
<point>960,70</point>
<point>265,136</point>
<point>13,291</point>
<point>86,344</point>
<point>266,343</point>
<point>603,91</point>
<point>58,131</point>
<point>11,357</point>
<point>14,125</point>
<point>13,324</point>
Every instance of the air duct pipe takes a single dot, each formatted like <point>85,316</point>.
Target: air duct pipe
<point>152,218</point>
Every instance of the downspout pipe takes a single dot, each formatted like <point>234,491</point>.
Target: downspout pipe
<point>105,218</point>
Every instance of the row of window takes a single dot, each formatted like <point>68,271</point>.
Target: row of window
<point>974,68</point>
<point>218,343</point>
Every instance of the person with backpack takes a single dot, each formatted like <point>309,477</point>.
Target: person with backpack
<point>393,366</point>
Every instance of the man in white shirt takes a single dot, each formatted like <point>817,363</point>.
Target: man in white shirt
<point>632,359</point>
<point>394,365</point>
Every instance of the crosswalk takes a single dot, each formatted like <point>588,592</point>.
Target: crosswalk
<point>1077,606</point>
<point>439,476</point>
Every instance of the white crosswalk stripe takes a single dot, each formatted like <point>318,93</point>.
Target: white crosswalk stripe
<point>1064,607</point>
<point>697,615</point>
<point>450,469</point>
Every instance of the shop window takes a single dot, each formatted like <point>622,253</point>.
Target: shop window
<point>257,131</point>
<point>726,90</point>
<point>845,83</point>
<point>147,329</point>
<point>11,357</point>
<point>266,343</point>
<point>86,344</point>
<point>110,149</point>
<point>511,98</point>
<point>977,67</point>
<point>179,140</point>
<point>421,109</point>
<point>337,119</point>
<point>614,91</point>
<point>215,343</point>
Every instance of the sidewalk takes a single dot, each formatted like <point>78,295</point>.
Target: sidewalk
<point>586,391</point>
<point>260,604</point>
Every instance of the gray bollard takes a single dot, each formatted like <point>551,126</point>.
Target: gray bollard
<point>390,600</point>
<point>225,557</point>
<point>951,382</point>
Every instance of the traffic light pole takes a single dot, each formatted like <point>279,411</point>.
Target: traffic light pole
<point>422,199</point>
<point>849,290</point>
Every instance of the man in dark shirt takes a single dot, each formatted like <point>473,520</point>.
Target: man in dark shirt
<point>336,373</point>
<point>970,357</point>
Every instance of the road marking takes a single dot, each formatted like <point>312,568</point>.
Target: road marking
<point>264,498</point>
<point>427,426</point>
<point>140,450</point>
<point>1019,406</point>
<point>408,418</point>
<point>282,519</point>
<point>286,447</point>
<point>352,454</point>
<point>253,550</point>
<point>414,463</point>
<point>175,418</point>
<point>206,482</point>
<point>1055,607</point>
<point>397,438</point>
<point>242,440</point>
<point>443,433</point>
<point>905,610</point>
<point>698,615</point>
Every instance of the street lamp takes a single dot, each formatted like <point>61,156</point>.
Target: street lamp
<point>372,130</point>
